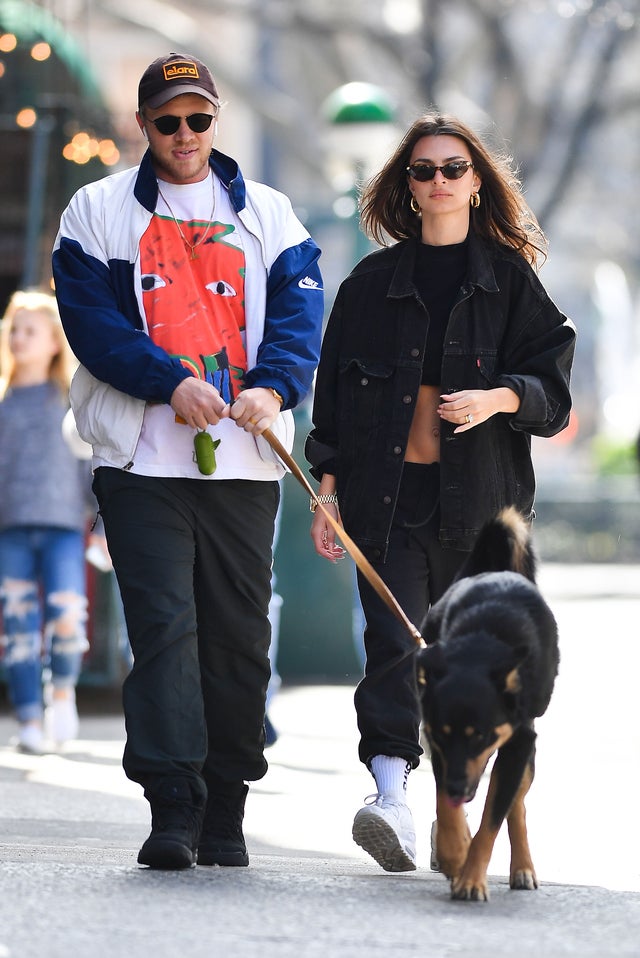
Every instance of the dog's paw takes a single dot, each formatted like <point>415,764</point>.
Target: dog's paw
<point>450,867</point>
<point>524,878</point>
<point>467,890</point>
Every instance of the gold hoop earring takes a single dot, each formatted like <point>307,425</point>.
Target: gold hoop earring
<point>415,205</point>
<point>474,199</point>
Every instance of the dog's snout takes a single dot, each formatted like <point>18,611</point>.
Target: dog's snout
<point>457,789</point>
<point>459,785</point>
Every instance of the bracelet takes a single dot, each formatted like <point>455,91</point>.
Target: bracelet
<point>275,394</point>
<point>322,499</point>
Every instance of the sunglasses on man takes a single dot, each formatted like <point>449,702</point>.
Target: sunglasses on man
<point>423,172</point>
<point>198,122</point>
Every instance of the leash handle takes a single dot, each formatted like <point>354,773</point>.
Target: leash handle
<point>354,551</point>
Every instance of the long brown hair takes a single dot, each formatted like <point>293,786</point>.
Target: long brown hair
<point>63,363</point>
<point>503,214</point>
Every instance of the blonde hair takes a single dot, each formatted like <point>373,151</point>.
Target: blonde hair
<point>63,363</point>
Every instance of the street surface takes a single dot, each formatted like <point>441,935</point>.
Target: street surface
<point>71,825</point>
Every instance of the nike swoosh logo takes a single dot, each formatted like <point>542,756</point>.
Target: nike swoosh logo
<point>308,283</point>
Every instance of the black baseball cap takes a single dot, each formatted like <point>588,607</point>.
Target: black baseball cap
<point>172,75</point>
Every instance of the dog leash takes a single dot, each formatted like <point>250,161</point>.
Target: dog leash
<point>356,554</point>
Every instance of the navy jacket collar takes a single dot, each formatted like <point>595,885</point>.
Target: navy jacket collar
<point>146,187</point>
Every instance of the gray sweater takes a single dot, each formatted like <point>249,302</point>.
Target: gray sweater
<point>41,481</point>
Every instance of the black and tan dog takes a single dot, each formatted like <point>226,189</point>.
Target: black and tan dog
<point>488,671</point>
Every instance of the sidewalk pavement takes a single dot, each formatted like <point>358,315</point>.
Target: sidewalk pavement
<point>71,825</point>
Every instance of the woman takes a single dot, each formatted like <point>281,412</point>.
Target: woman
<point>443,355</point>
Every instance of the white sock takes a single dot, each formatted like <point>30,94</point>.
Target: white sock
<point>391,773</point>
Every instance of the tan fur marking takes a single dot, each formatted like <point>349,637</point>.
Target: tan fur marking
<point>476,766</point>
<point>513,520</point>
<point>522,874</point>
<point>512,682</point>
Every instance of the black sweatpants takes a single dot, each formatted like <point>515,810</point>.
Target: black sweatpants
<point>193,562</point>
<point>418,571</point>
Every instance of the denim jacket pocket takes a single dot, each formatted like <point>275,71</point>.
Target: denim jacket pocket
<point>363,386</point>
<point>486,366</point>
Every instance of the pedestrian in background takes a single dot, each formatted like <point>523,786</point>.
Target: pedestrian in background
<point>192,298</point>
<point>44,493</point>
<point>275,609</point>
<point>443,355</point>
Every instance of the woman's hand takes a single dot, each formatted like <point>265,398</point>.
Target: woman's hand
<point>469,407</point>
<point>323,533</point>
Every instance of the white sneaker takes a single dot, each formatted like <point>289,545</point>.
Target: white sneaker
<point>30,739</point>
<point>62,719</point>
<point>434,863</point>
<point>384,828</point>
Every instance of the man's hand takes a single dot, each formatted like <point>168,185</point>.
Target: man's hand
<point>198,403</point>
<point>255,410</point>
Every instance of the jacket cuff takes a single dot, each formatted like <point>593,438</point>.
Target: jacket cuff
<point>323,458</point>
<point>270,382</point>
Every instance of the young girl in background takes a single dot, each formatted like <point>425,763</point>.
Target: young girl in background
<point>43,509</point>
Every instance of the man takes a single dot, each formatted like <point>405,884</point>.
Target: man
<point>192,299</point>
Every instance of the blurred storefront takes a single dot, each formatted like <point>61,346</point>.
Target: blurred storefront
<point>56,136</point>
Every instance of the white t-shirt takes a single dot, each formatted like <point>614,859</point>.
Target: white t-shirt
<point>193,267</point>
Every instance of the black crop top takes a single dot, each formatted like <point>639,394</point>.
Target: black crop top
<point>438,276</point>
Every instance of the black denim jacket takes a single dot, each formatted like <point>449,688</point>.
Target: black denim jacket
<point>503,330</point>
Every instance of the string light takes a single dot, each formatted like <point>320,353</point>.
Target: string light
<point>8,42</point>
<point>41,51</point>
<point>26,118</point>
<point>83,147</point>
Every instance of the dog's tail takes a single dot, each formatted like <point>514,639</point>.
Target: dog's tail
<point>503,545</point>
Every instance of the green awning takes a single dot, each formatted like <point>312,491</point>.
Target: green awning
<point>30,23</point>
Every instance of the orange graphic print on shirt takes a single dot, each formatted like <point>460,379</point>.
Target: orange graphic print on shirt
<point>195,306</point>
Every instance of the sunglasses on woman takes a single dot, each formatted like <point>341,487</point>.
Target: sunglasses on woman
<point>423,172</point>
<point>198,122</point>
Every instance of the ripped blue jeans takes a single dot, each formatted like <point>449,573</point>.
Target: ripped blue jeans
<point>44,611</point>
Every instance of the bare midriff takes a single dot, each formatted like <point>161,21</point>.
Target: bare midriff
<point>424,435</point>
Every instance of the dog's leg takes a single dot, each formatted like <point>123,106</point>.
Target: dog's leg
<point>505,783</point>
<point>471,883</point>
<point>452,831</point>
<point>522,873</point>
<point>452,836</point>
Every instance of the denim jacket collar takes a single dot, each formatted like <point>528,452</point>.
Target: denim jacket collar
<point>479,273</point>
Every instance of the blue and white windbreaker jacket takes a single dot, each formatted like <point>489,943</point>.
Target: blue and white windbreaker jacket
<point>97,275</point>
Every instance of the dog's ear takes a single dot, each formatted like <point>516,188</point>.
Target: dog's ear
<point>431,665</point>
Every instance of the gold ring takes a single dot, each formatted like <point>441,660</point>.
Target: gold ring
<point>468,418</point>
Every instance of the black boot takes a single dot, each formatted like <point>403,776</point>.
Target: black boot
<point>177,809</point>
<point>222,841</point>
